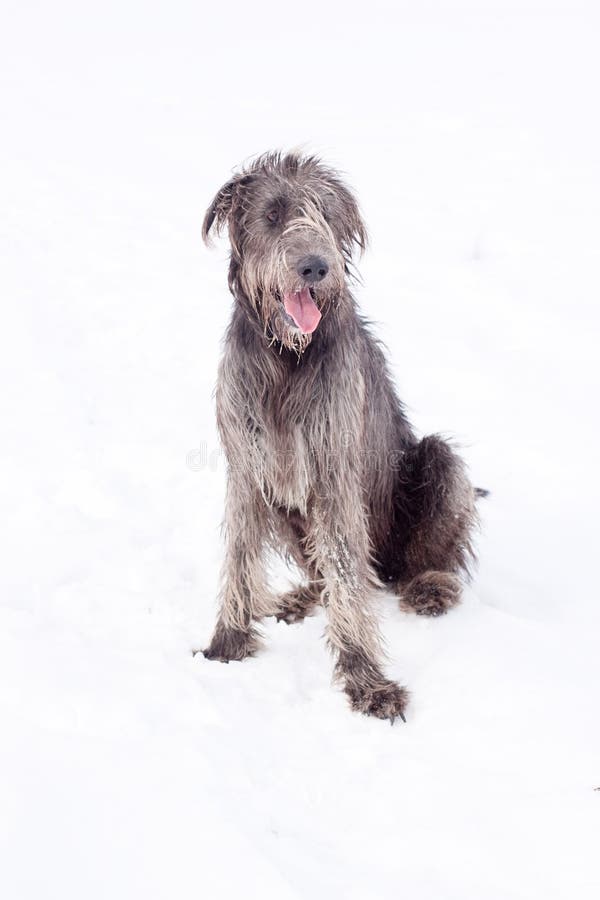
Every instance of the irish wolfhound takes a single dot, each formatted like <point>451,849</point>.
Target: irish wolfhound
<point>322,462</point>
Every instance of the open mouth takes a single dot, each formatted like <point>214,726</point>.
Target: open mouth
<point>302,309</point>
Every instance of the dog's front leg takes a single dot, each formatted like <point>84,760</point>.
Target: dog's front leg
<point>342,555</point>
<point>244,596</point>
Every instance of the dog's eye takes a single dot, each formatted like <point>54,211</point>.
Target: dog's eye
<point>273,216</point>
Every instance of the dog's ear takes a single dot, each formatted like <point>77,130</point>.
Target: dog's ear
<point>222,206</point>
<point>353,226</point>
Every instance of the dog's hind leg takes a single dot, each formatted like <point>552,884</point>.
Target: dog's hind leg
<point>245,597</point>
<point>298,603</point>
<point>437,505</point>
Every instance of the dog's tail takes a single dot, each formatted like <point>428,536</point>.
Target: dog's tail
<point>481,492</point>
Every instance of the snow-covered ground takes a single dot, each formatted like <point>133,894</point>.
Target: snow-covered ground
<point>129,768</point>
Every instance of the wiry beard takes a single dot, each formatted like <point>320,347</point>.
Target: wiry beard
<point>279,329</point>
<point>278,326</point>
<point>266,299</point>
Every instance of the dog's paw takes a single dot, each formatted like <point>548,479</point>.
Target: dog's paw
<point>296,605</point>
<point>231,644</point>
<point>386,700</point>
<point>431,594</point>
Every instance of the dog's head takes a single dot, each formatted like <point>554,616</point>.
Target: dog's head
<point>293,227</point>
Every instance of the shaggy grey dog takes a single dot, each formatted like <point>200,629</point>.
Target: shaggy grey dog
<point>322,462</point>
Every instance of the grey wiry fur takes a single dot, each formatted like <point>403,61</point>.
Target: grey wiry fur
<point>323,464</point>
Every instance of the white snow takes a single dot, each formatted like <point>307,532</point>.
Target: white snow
<point>129,768</point>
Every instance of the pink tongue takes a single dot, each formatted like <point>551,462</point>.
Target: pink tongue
<point>303,310</point>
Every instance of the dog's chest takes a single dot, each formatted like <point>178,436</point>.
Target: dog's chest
<point>288,467</point>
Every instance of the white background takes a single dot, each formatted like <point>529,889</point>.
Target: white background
<point>131,769</point>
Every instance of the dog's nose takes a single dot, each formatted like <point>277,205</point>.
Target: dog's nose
<point>312,268</point>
